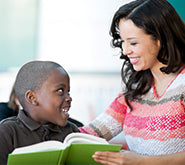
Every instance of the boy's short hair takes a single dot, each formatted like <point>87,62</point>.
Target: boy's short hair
<point>31,76</point>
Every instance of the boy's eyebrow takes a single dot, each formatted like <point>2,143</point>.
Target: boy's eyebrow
<point>59,85</point>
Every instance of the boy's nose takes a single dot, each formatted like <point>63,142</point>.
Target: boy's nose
<point>68,98</point>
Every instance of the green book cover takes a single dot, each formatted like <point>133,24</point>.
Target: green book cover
<point>81,154</point>
<point>77,149</point>
<point>39,158</point>
<point>75,154</point>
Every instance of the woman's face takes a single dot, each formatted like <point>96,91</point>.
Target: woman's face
<point>140,48</point>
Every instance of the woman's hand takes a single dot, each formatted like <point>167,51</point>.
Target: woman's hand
<point>118,158</point>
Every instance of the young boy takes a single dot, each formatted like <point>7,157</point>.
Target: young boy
<point>42,88</point>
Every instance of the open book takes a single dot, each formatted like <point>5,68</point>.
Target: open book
<point>77,149</point>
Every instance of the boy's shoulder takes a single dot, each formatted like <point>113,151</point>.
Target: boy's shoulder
<point>9,120</point>
<point>76,122</point>
<point>8,125</point>
<point>69,127</point>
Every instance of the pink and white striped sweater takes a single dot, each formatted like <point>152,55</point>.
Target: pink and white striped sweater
<point>155,126</point>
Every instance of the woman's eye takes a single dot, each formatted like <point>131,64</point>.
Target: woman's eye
<point>133,43</point>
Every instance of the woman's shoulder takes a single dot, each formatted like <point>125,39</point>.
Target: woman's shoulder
<point>180,78</point>
<point>121,98</point>
<point>182,71</point>
<point>118,105</point>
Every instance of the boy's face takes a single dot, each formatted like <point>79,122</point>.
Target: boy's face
<point>54,99</point>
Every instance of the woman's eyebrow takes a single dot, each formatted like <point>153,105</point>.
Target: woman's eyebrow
<point>131,38</point>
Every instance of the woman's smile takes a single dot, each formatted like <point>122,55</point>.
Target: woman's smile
<point>141,48</point>
<point>134,60</point>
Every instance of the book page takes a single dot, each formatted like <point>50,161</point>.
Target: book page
<point>84,138</point>
<point>57,145</point>
<point>42,146</point>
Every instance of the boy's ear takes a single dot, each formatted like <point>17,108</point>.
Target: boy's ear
<point>31,98</point>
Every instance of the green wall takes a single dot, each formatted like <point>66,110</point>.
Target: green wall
<point>18,32</point>
<point>179,5</point>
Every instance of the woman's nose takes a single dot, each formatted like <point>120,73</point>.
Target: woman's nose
<point>126,50</point>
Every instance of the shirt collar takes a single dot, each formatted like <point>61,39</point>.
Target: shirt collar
<point>28,122</point>
<point>33,125</point>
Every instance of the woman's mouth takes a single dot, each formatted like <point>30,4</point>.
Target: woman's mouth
<point>134,60</point>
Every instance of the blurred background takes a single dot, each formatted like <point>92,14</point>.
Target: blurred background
<point>73,33</point>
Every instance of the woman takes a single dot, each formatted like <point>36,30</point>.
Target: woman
<point>151,108</point>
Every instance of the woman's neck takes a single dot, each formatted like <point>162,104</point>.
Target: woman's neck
<point>162,80</point>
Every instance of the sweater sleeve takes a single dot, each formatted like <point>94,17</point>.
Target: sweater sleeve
<point>110,122</point>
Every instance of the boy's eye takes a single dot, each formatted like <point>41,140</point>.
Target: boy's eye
<point>61,90</point>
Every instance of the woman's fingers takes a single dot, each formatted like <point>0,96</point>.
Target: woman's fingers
<point>108,158</point>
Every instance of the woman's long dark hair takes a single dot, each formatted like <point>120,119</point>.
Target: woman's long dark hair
<point>160,20</point>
